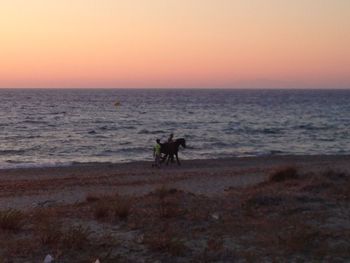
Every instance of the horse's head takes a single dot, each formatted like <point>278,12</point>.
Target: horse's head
<point>182,142</point>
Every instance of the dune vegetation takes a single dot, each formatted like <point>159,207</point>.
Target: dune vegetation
<point>290,216</point>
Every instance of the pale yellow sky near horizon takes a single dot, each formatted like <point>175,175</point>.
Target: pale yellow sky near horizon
<point>175,43</point>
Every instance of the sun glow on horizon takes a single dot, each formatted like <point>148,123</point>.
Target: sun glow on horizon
<point>175,43</point>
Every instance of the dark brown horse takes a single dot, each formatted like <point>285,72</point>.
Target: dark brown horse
<point>171,149</point>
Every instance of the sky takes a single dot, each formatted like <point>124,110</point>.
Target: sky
<point>175,44</point>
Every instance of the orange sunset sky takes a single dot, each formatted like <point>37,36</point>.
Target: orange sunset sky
<point>175,43</point>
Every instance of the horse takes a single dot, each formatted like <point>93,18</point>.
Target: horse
<point>171,149</point>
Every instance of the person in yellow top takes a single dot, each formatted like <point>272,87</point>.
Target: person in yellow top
<point>157,153</point>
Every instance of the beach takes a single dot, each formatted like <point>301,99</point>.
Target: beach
<point>31,187</point>
<point>252,209</point>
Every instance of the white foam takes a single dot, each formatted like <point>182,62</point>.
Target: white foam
<point>14,165</point>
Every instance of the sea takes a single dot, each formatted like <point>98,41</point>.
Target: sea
<point>59,127</point>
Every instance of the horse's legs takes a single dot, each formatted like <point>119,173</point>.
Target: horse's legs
<point>163,158</point>
<point>170,158</point>
<point>177,159</point>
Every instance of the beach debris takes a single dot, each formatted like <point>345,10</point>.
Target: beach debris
<point>46,203</point>
<point>215,216</point>
<point>116,103</point>
<point>48,259</point>
<point>140,239</point>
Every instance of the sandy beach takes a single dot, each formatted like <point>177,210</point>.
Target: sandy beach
<point>258,209</point>
<point>32,187</point>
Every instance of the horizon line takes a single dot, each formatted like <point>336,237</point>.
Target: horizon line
<point>173,88</point>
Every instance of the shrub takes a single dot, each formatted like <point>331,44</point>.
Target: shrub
<point>11,219</point>
<point>283,174</point>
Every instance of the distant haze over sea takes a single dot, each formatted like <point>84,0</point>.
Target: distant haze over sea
<point>58,127</point>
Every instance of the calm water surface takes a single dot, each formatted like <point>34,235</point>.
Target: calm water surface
<point>60,127</point>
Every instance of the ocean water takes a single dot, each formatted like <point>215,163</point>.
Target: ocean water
<point>60,127</point>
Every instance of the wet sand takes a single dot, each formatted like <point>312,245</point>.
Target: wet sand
<point>35,187</point>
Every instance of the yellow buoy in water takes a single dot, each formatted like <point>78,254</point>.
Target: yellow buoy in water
<point>117,104</point>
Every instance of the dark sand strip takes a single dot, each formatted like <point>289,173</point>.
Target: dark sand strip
<point>31,187</point>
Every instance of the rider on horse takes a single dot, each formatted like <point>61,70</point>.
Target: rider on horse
<point>171,138</point>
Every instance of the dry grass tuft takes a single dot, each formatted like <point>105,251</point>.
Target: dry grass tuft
<point>76,237</point>
<point>101,210</point>
<point>11,219</point>
<point>121,209</point>
<point>316,187</point>
<point>49,233</point>
<point>169,208</point>
<point>90,198</point>
<point>164,191</point>
<point>224,255</point>
<point>118,208</point>
<point>300,238</point>
<point>168,202</point>
<point>263,200</point>
<point>166,242</point>
<point>215,244</point>
<point>22,247</point>
<point>335,175</point>
<point>283,174</point>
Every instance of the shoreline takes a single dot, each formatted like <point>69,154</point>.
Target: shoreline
<point>74,164</point>
<point>25,188</point>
